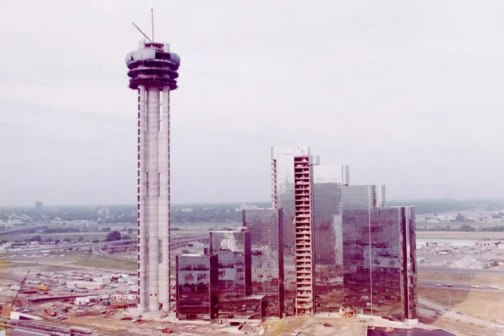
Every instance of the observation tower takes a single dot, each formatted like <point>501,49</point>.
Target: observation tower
<point>153,72</point>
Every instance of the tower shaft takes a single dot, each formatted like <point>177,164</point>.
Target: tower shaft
<point>154,197</point>
<point>153,72</point>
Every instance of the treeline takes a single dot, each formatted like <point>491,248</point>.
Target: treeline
<point>206,216</point>
<point>443,205</point>
<point>60,230</point>
<point>493,229</point>
<point>180,213</point>
<point>223,212</point>
<point>462,228</point>
<point>48,239</point>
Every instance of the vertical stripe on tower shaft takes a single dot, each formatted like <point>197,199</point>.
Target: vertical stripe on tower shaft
<point>153,196</point>
<point>142,224</point>
<point>164,205</point>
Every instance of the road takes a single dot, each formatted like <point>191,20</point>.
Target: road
<point>47,247</point>
<point>174,243</point>
<point>459,270</point>
<point>57,262</point>
<point>44,328</point>
<point>427,284</point>
<point>99,252</point>
<point>23,230</point>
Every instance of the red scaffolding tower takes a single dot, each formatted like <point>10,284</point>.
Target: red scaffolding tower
<point>303,227</point>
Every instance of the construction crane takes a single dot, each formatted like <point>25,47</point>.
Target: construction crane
<point>7,310</point>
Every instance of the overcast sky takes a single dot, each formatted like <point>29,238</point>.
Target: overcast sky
<point>408,93</point>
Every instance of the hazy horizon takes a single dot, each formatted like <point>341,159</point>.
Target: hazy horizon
<point>406,93</point>
<point>403,200</point>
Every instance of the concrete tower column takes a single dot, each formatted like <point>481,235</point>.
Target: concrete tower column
<point>153,195</point>
<point>164,206</point>
<point>142,208</point>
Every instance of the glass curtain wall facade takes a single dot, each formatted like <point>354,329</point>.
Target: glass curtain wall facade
<point>196,283</point>
<point>265,227</point>
<point>379,273</point>
<point>234,263</point>
<point>409,264</point>
<point>328,182</point>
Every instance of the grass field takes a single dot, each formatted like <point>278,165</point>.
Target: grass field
<point>181,230</point>
<point>462,278</point>
<point>485,305</point>
<point>72,235</point>
<point>283,326</point>
<point>105,263</point>
<point>5,265</point>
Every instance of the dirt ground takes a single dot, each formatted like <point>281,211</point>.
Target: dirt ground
<point>460,329</point>
<point>484,305</point>
<point>315,326</point>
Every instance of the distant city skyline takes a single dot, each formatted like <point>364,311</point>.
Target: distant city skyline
<point>406,94</point>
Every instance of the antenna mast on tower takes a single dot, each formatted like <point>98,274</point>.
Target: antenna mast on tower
<point>141,32</point>
<point>152,23</point>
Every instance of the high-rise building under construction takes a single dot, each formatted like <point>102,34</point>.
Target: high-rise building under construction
<point>310,196</point>
<point>292,191</point>
<point>153,72</point>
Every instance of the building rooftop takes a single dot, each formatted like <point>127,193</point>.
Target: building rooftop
<point>192,255</point>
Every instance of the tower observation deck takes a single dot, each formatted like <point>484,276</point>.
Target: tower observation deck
<point>153,72</point>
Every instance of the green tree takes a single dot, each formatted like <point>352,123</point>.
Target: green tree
<point>467,228</point>
<point>81,239</point>
<point>113,235</point>
<point>459,218</point>
<point>130,230</point>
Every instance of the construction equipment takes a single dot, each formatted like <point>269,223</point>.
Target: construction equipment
<point>43,287</point>
<point>7,310</point>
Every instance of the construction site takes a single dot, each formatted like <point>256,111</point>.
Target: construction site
<point>326,257</point>
<point>43,299</point>
<point>55,297</point>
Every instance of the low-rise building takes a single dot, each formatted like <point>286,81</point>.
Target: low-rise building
<point>85,284</point>
<point>488,243</point>
<point>22,316</point>
<point>81,301</point>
